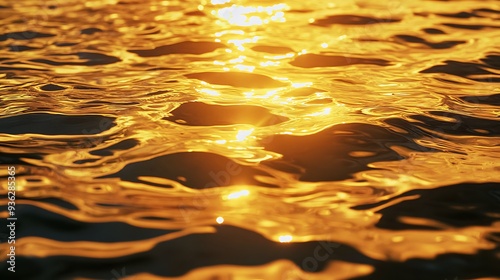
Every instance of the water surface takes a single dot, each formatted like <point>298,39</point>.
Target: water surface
<point>251,139</point>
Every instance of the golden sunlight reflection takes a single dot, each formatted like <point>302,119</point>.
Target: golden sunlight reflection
<point>221,141</point>
<point>245,68</point>
<point>274,127</point>
<point>238,43</point>
<point>242,135</point>
<point>301,85</point>
<point>219,220</point>
<point>238,194</point>
<point>280,56</point>
<point>219,2</point>
<point>269,63</point>
<point>238,15</point>
<point>239,59</point>
<point>208,91</point>
<point>323,112</point>
<point>285,238</point>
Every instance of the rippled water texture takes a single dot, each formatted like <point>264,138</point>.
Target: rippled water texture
<point>251,139</point>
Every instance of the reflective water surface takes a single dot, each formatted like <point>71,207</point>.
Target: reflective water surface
<point>230,139</point>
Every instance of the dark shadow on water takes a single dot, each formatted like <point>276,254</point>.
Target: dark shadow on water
<point>454,124</point>
<point>469,70</point>
<point>120,146</point>
<point>55,124</point>
<point>201,114</point>
<point>272,49</point>
<point>52,87</point>
<point>422,41</point>
<point>186,47</point>
<point>351,20</point>
<point>91,59</point>
<point>471,26</point>
<point>433,31</point>
<point>233,246</point>
<point>458,206</point>
<point>24,35</point>
<point>493,99</point>
<point>90,31</point>
<point>339,151</point>
<point>21,48</point>
<point>198,170</point>
<point>318,60</point>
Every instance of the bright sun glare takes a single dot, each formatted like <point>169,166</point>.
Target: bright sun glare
<point>251,15</point>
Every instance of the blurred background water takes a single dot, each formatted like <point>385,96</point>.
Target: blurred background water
<point>231,139</point>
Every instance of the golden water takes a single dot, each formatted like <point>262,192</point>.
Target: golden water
<point>227,139</point>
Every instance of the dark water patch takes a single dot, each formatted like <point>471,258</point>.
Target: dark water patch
<point>212,249</point>
<point>421,41</point>
<point>84,161</point>
<point>195,251</point>
<point>272,49</point>
<point>52,87</point>
<point>65,44</point>
<point>493,99</point>
<point>105,104</point>
<point>462,69</point>
<point>54,124</point>
<point>460,124</point>
<point>159,92</point>
<point>318,60</point>
<point>455,124</point>
<point>16,158</point>
<point>237,79</point>
<point>21,48</point>
<point>58,202</point>
<point>433,31</point>
<point>201,114</point>
<point>482,265</point>
<point>21,69</point>
<point>337,152</point>
<point>25,35</point>
<point>186,47</point>
<point>491,12</point>
<point>366,40</point>
<point>492,61</point>
<point>90,31</point>
<point>300,11</point>
<point>120,146</point>
<point>460,205</point>
<point>96,58</point>
<point>351,20</point>
<point>459,15</point>
<point>48,224</point>
<point>195,13</point>
<point>92,59</point>
<point>199,170</point>
<point>470,26</point>
<point>476,13</point>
